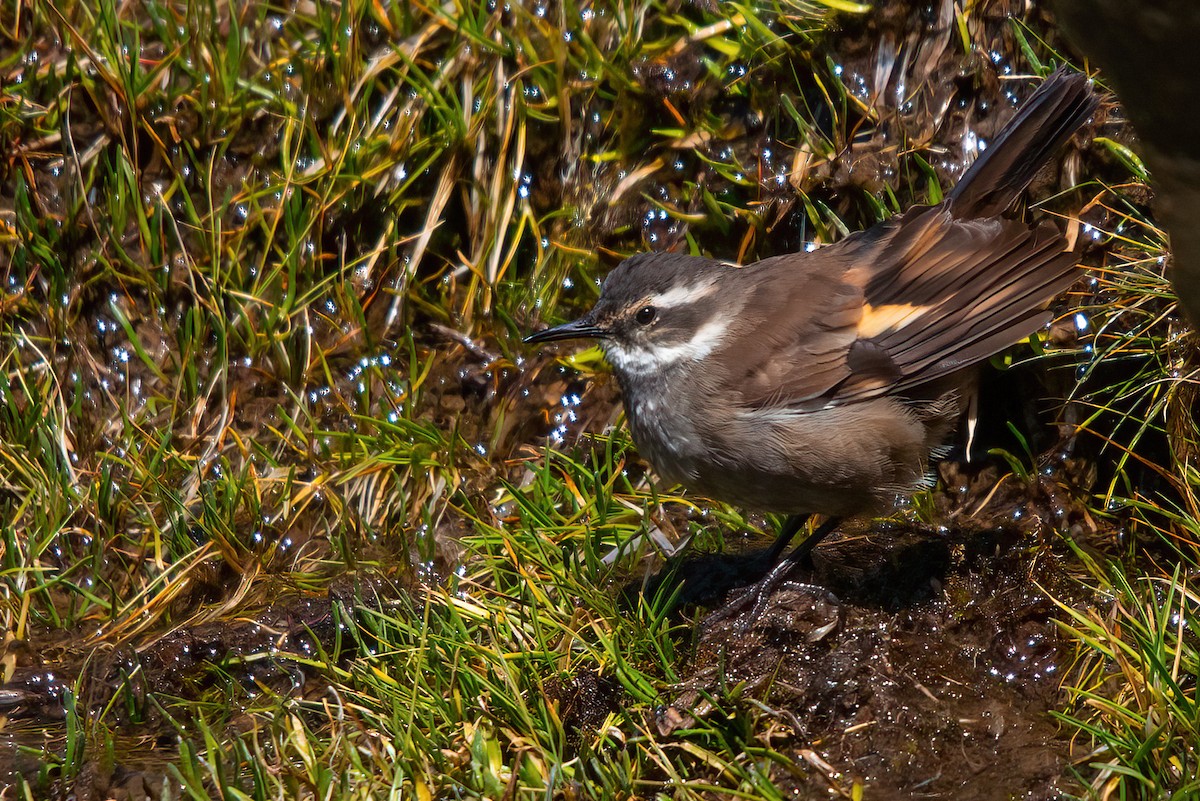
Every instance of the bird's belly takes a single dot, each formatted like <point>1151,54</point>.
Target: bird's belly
<point>838,461</point>
<point>775,491</point>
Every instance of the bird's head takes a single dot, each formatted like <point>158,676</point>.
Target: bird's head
<point>655,310</point>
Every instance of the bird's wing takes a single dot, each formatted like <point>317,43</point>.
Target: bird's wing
<point>789,346</point>
<point>913,301</point>
<point>927,293</point>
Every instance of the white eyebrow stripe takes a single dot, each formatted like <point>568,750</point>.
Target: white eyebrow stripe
<point>683,295</point>
<point>641,361</point>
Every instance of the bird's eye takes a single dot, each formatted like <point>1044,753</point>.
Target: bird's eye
<point>645,315</point>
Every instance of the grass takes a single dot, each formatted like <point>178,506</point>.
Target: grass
<point>1136,698</point>
<point>1133,699</point>
<point>274,488</point>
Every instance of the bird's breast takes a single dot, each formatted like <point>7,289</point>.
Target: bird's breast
<point>665,430</point>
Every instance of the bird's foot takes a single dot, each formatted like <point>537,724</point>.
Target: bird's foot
<point>757,596</point>
<point>810,611</point>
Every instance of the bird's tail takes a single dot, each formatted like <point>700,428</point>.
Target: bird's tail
<point>1041,126</point>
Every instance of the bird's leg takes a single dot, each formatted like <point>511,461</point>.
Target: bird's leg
<point>761,591</point>
<point>804,550</point>
<point>790,526</point>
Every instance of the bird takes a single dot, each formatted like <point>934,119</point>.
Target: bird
<point>827,382</point>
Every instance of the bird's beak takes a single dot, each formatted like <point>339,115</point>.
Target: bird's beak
<point>583,328</point>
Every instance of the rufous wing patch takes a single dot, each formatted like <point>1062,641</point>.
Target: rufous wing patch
<point>877,319</point>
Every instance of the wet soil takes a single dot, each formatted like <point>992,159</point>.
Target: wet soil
<point>142,691</point>
<point>918,663</point>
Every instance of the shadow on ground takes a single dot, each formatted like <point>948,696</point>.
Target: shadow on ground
<point>923,663</point>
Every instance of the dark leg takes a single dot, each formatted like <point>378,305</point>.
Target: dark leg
<point>761,591</point>
<point>804,550</point>
<point>790,527</point>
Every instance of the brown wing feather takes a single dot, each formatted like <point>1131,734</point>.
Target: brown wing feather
<point>992,279</point>
<point>932,295</point>
<point>921,296</point>
<point>786,331</point>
